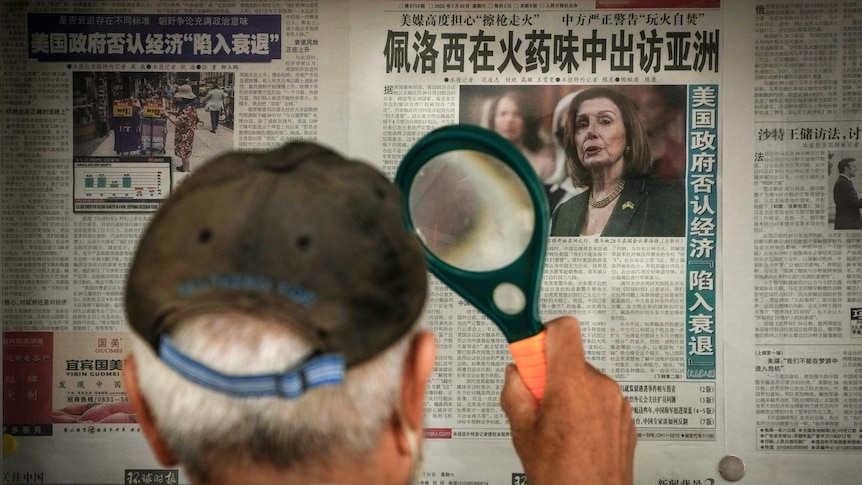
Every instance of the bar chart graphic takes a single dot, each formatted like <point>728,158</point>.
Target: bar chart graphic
<point>121,186</point>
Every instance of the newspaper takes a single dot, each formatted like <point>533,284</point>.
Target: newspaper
<point>738,339</point>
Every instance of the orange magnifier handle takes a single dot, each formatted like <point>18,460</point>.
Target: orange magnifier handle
<point>529,355</point>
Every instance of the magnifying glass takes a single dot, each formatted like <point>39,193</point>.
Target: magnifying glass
<point>481,213</point>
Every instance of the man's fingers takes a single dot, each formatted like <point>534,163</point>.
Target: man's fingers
<point>564,352</point>
<point>564,337</point>
<point>516,400</point>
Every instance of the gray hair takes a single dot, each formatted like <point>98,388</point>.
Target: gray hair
<point>207,430</point>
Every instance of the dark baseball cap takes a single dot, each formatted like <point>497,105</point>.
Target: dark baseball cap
<point>299,234</point>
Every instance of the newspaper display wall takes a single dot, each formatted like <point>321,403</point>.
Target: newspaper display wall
<point>739,337</point>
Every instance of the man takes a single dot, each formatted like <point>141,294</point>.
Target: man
<point>214,103</point>
<point>274,301</point>
<point>847,201</point>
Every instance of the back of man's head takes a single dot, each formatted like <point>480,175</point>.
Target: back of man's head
<point>211,432</point>
<point>274,296</point>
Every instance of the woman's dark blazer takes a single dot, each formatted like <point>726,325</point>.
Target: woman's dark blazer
<point>649,208</point>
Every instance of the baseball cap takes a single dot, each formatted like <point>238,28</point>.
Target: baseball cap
<point>299,234</point>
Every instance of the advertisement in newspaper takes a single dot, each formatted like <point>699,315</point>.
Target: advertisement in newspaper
<point>758,356</point>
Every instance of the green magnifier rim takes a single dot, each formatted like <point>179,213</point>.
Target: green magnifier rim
<point>526,270</point>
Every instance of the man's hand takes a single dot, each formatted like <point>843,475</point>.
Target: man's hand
<point>582,431</point>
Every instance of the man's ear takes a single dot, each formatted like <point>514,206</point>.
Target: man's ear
<point>144,416</point>
<point>418,366</point>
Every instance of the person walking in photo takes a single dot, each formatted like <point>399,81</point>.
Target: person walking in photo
<point>214,103</point>
<point>185,120</point>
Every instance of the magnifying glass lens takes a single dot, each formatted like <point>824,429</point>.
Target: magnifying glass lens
<point>471,210</point>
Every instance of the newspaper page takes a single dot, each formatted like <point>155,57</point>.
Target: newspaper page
<point>734,337</point>
<point>804,246</point>
<point>93,141</point>
<point>647,298</point>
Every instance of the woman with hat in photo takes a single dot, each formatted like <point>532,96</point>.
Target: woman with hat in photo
<point>185,119</point>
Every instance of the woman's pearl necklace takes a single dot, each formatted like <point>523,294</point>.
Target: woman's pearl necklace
<point>610,198</point>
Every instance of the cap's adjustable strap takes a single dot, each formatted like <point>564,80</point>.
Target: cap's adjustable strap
<point>318,370</point>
